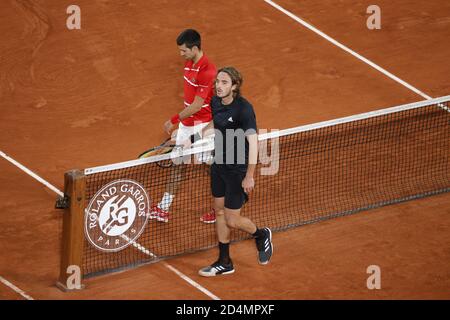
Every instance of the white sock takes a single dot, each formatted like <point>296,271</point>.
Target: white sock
<point>166,201</point>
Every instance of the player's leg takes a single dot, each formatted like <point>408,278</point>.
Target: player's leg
<point>263,236</point>
<point>223,232</point>
<point>235,198</point>
<point>161,210</point>
<point>223,265</point>
<point>202,141</point>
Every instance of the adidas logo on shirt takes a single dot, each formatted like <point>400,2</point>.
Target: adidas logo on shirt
<point>230,119</point>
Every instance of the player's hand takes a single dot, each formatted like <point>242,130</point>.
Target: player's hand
<point>168,127</point>
<point>248,184</point>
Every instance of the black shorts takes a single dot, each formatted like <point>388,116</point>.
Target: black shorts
<point>226,181</point>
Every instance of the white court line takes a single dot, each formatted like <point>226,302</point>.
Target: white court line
<point>135,244</point>
<point>191,282</point>
<point>139,247</point>
<point>31,173</point>
<point>353,53</point>
<point>171,268</point>
<point>16,289</point>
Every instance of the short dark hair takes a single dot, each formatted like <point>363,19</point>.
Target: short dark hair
<point>190,38</point>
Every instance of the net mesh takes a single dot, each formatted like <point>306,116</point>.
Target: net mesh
<point>321,173</point>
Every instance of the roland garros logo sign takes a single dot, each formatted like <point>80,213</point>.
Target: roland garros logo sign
<point>116,215</point>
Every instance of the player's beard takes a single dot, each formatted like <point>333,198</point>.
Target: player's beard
<point>227,95</point>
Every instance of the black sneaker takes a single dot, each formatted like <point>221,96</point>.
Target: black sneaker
<point>216,268</point>
<point>265,247</point>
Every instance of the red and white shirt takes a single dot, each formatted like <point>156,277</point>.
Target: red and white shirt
<point>199,81</point>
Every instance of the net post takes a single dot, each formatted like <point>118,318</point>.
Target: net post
<point>73,234</point>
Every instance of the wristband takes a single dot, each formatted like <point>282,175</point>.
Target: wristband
<point>175,119</point>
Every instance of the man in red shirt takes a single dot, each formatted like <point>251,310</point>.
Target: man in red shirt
<point>199,77</point>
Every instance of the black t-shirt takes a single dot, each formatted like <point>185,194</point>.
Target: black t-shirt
<point>233,123</point>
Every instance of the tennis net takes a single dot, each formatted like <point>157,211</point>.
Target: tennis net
<point>313,172</point>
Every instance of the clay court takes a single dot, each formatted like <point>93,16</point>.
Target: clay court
<point>75,99</point>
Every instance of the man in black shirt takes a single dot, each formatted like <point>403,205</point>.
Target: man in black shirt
<point>236,153</point>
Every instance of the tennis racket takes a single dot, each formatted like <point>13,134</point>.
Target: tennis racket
<point>165,147</point>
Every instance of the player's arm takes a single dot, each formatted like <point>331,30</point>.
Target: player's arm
<point>248,120</point>
<point>249,183</point>
<point>205,82</point>
<point>208,130</point>
<point>252,154</point>
<point>186,113</point>
<point>193,108</point>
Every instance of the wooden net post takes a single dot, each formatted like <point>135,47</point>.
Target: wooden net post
<point>71,270</point>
